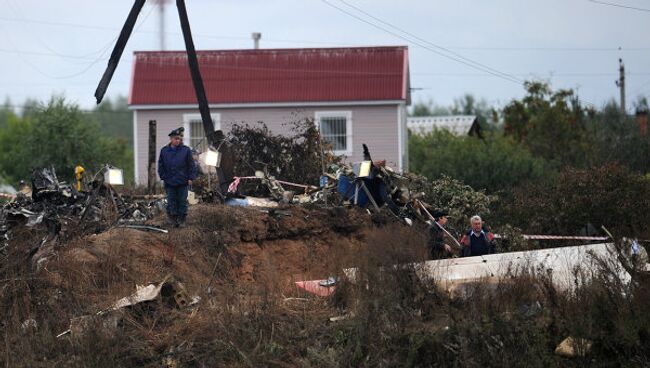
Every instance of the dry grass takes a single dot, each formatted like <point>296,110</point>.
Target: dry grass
<point>394,317</point>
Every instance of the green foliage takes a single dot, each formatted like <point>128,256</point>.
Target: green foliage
<point>496,164</point>
<point>62,136</point>
<point>465,105</point>
<point>553,125</point>
<point>460,200</point>
<point>6,113</point>
<point>428,108</point>
<point>609,195</point>
<point>618,139</point>
<point>115,119</point>
<point>15,159</point>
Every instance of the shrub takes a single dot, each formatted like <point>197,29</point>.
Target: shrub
<point>460,200</point>
<point>608,195</point>
<point>496,164</point>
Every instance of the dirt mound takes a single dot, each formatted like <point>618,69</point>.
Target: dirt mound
<point>220,245</point>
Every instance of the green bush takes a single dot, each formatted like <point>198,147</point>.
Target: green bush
<point>495,164</point>
<point>62,136</point>
<point>460,200</point>
<point>608,195</point>
<point>618,139</point>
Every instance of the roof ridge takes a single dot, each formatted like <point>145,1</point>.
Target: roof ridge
<point>268,50</point>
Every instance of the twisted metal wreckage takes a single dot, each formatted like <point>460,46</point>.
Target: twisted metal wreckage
<point>59,211</point>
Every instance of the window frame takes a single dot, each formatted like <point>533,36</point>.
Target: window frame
<point>187,118</point>
<point>347,114</point>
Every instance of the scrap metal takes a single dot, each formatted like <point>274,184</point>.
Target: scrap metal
<point>63,212</point>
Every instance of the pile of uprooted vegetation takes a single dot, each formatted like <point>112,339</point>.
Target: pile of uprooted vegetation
<point>238,306</point>
<point>299,156</point>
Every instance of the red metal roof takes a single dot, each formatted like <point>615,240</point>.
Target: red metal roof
<point>273,75</point>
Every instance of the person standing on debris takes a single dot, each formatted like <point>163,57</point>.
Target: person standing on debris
<point>478,241</point>
<point>436,243</point>
<point>176,169</point>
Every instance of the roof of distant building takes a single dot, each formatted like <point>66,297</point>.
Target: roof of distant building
<point>457,124</point>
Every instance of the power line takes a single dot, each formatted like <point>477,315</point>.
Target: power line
<point>532,74</point>
<point>294,41</point>
<point>619,5</point>
<point>40,53</point>
<point>490,69</point>
<point>181,64</point>
<point>41,108</point>
<point>510,79</point>
<point>466,61</point>
<point>198,35</point>
<point>554,49</point>
<point>90,65</point>
<point>463,60</point>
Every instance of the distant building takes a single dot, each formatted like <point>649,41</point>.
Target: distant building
<point>355,95</point>
<point>456,124</point>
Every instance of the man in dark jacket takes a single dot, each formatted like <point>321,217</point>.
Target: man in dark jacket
<point>478,241</point>
<point>437,246</point>
<point>176,169</point>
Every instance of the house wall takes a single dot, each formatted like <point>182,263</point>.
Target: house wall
<point>381,127</point>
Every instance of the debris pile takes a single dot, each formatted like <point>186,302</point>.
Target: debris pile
<point>58,211</point>
<point>371,185</point>
<point>310,175</point>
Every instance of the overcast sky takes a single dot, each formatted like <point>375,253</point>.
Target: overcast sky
<point>62,46</point>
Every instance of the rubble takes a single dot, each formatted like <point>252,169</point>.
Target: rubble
<point>368,184</point>
<point>61,212</point>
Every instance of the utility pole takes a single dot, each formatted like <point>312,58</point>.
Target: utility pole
<point>161,22</point>
<point>161,14</point>
<point>621,84</point>
<point>151,169</point>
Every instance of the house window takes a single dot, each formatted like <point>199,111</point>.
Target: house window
<point>194,132</point>
<point>336,129</point>
<point>197,133</point>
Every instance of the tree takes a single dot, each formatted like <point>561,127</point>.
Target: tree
<point>469,105</point>
<point>496,164</point>
<point>460,199</point>
<point>553,125</point>
<point>608,195</point>
<point>62,136</point>
<point>428,108</point>
<point>6,112</point>
<point>618,139</point>
<point>115,119</point>
<point>15,159</point>
<point>30,107</point>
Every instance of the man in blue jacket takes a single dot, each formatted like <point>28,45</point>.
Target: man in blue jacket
<point>176,169</point>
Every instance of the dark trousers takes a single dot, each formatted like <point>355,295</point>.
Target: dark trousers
<point>176,200</point>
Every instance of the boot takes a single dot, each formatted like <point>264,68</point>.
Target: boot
<point>181,221</point>
<point>172,220</point>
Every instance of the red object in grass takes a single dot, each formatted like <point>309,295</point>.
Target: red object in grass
<point>314,287</point>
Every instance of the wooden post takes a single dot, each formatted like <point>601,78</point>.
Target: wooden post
<point>152,157</point>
